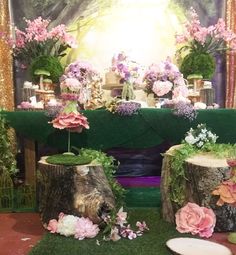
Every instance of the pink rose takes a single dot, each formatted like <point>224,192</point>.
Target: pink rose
<point>195,220</point>
<point>74,122</point>
<point>52,226</point>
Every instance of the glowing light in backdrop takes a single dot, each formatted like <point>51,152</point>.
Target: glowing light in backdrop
<point>144,29</point>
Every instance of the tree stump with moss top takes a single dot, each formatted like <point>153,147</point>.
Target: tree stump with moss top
<point>204,172</point>
<point>81,190</point>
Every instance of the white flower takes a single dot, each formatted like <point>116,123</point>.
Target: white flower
<point>190,139</point>
<point>200,144</point>
<point>66,225</point>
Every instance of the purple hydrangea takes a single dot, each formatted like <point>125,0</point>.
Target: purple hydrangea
<point>185,110</point>
<point>128,108</point>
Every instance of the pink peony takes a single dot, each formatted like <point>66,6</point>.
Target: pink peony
<point>195,220</point>
<point>52,226</point>
<point>75,122</point>
<point>85,229</point>
<point>160,88</point>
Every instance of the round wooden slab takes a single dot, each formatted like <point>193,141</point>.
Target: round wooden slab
<point>193,246</point>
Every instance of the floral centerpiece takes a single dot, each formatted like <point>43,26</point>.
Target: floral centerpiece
<point>165,79</point>
<point>69,117</point>
<point>78,78</point>
<point>200,44</point>
<point>129,72</point>
<point>38,40</point>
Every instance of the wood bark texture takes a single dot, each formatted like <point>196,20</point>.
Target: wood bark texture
<point>204,172</point>
<point>79,190</point>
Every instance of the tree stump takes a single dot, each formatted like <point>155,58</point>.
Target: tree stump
<point>204,172</point>
<point>81,190</point>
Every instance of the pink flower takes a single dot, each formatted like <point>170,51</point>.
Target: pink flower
<point>195,220</point>
<point>74,122</point>
<point>142,226</point>
<point>114,236</point>
<point>160,88</point>
<point>71,84</point>
<point>85,229</point>
<point>180,91</point>
<point>121,217</point>
<point>52,226</point>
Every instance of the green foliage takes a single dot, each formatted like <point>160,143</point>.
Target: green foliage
<point>178,177</point>
<point>110,168</point>
<point>7,158</point>
<point>48,63</point>
<point>68,160</point>
<point>198,63</point>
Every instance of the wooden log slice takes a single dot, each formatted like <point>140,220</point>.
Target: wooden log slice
<point>193,246</point>
<point>204,172</point>
<point>79,190</point>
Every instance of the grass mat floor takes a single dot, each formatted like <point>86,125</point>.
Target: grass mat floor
<point>152,242</point>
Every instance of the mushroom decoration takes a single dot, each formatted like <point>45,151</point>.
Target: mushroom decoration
<point>48,85</point>
<point>41,73</point>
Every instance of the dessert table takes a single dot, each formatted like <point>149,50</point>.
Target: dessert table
<point>149,128</point>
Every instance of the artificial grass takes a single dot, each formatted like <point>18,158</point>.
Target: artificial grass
<point>68,160</point>
<point>151,243</point>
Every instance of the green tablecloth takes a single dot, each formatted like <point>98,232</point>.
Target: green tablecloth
<point>148,128</point>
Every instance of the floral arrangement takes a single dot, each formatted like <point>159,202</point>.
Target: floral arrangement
<point>70,225</point>
<point>164,78</point>
<point>185,110</point>
<point>36,40</point>
<point>81,228</point>
<point>200,43</point>
<point>127,69</point>
<point>195,220</point>
<point>118,227</point>
<point>123,108</point>
<point>69,117</point>
<point>200,136</point>
<point>76,79</point>
<point>210,39</point>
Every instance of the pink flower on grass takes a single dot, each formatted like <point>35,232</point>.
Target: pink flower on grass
<point>74,122</point>
<point>52,226</point>
<point>114,236</point>
<point>195,220</point>
<point>121,217</point>
<point>142,226</point>
<point>160,88</point>
<point>85,228</point>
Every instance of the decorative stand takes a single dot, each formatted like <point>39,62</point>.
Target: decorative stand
<point>81,190</point>
<point>204,173</point>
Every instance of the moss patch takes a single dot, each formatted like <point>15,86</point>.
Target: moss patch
<point>68,160</point>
